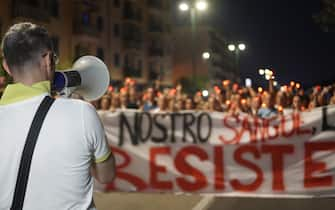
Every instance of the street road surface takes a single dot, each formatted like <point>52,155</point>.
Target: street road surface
<point>137,201</point>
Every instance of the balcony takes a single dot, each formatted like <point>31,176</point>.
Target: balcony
<point>90,30</point>
<point>132,36</point>
<point>155,4</point>
<point>156,51</point>
<point>129,71</point>
<point>130,15</point>
<point>131,12</point>
<point>132,44</point>
<point>153,75</point>
<point>27,11</point>
<point>92,6</point>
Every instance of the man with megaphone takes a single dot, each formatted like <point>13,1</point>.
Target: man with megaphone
<point>50,149</point>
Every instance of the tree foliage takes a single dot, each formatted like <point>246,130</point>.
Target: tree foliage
<point>191,86</point>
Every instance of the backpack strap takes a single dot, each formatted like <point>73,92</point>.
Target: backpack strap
<point>27,154</point>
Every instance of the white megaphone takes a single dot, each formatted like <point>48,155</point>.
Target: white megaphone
<point>89,77</point>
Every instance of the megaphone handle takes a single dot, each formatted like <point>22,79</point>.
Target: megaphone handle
<point>66,92</point>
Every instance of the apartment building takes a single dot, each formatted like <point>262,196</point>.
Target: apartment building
<point>131,36</point>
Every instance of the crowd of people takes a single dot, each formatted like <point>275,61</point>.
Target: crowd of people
<point>227,97</point>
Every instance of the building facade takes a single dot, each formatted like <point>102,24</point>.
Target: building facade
<point>212,59</point>
<point>131,36</point>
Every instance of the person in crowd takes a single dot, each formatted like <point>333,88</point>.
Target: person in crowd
<point>189,104</point>
<point>255,105</point>
<point>105,103</point>
<point>172,104</point>
<point>267,109</point>
<point>149,100</point>
<point>180,103</point>
<point>332,99</point>
<point>133,102</point>
<point>162,104</point>
<point>214,105</point>
<point>230,98</point>
<point>281,100</point>
<point>96,104</point>
<point>245,105</point>
<point>296,104</point>
<point>234,105</point>
<point>115,102</point>
<point>198,101</point>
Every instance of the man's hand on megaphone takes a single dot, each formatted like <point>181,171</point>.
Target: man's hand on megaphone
<point>75,95</point>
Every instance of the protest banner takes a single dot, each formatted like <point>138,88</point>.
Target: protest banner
<point>199,152</point>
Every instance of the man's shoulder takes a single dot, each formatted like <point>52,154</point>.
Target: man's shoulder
<point>73,102</point>
<point>74,105</point>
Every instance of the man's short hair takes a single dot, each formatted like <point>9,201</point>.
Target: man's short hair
<point>23,44</point>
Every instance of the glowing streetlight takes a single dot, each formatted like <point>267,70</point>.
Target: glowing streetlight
<point>201,5</point>
<point>206,55</point>
<point>267,71</point>
<point>261,72</point>
<point>242,47</point>
<point>231,47</point>
<point>267,77</point>
<point>184,6</point>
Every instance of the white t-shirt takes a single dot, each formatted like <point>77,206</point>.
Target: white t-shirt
<point>71,137</point>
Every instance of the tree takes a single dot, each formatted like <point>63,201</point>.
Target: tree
<point>191,86</point>
<point>326,18</point>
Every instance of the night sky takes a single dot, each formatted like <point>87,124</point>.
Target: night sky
<point>281,35</point>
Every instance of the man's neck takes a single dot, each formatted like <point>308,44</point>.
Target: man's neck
<point>33,77</point>
<point>29,81</point>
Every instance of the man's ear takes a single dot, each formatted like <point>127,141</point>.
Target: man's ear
<point>45,62</point>
<point>47,66</point>
<point>6,68</point>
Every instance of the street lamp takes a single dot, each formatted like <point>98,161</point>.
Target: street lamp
<point>237,49</point>
<point>231,47</point>
<point>242,47</point>
<point>206,55</point>
<point>194,6</point>
<point>184,6</point>
<point>201,5</point>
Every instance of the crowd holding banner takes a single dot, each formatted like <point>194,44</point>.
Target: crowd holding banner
<point>201,152</point>
<point>227,97</point>
<point>236,142</point>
